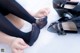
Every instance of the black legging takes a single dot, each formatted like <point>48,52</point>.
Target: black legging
<point>15,8</point>
<point>7,27</point>
<point>11,6</point>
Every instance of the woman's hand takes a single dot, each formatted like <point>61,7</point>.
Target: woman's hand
<point>18,45</point>
<point>42,13</point>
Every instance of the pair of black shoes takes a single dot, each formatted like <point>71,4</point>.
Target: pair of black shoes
<point>69,21</point>
<point>36,30</point>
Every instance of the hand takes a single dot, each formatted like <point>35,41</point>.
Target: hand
<point>42,13</point>
<point>18,45</point>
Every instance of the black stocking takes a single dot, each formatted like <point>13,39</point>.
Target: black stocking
<point>15,8</point>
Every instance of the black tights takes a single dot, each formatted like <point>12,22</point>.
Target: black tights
<point>6,26</point>
<point>15,8</point>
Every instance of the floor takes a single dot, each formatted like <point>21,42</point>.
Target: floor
<point>48,42</point>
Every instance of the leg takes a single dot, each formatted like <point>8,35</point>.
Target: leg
<point>13,41</point>
<point>10,29</point>
<point>7,27</point>
<point>13,7</point>
<point>16,21</point>
<point>5,24</point>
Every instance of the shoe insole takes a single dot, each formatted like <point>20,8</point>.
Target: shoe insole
<point>69,26</point>
<point>68,6</point>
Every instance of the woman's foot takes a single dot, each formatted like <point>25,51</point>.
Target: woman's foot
<point>34,34</point>
<point>41,22</point>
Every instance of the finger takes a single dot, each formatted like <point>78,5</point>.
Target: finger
<point>24,44</point>
<point>41,16</point>
<point>47,10</point>
<point>21,47</point>
<point>21,51</point>
<point>14,51</point>
<point>44,12</point>
<point>17,51</point>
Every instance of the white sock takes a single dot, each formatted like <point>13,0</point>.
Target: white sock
<point>26,28</point>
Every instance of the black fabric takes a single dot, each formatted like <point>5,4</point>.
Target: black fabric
<point>76,20</point>
<point>41,22</point>
<point>8,28</point>
<point>15,8</point>
<point>3,11</point>
<point>11,6</point>
<point>34,34</point>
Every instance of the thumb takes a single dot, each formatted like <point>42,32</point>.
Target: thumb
<point>22,42</point>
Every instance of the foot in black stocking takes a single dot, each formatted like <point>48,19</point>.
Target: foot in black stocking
<point>34,34</point>
<point>41,22</point>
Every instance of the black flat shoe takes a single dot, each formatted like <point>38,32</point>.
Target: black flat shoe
<point>63,28</point>
<point>56,28</point>
<point>41,22</point>
<point>34,34</point>
<point>73,7</point>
